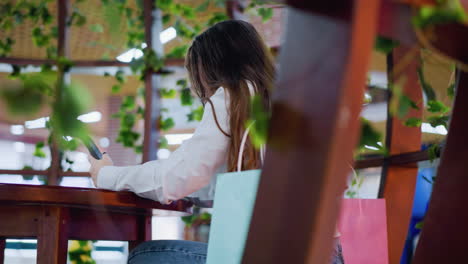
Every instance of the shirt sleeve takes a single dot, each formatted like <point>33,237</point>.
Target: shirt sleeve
<point>187,169</point>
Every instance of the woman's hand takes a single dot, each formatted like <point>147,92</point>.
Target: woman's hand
<point>96,166</point>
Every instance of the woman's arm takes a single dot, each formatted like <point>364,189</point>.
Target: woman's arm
<point>187,170</point>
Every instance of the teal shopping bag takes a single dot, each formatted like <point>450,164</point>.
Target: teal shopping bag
<point>232,212</point>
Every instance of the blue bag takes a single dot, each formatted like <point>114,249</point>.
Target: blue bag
<point>233,206</point>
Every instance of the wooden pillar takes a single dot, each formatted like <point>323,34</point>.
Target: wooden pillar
<point>153,27</point>
<point>235,9</point>
<point>314,131</point>
<point>445,232</point>
<point>144,230</point>
<point>62,51</point>
<point>399,181</point>
<point>52,243</point>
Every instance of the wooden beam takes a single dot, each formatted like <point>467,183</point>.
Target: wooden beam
<point>406,159</point>
<point>83,63</point>
<point>44,172</point>
<point>399,182</point>
<point>313,132</point>
<point>445,233</point>
<point>79,197</point>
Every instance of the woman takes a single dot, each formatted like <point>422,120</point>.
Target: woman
<point>226,64</point>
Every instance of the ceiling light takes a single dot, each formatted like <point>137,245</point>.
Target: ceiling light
<point>167,35</point>
<point>177,139</point>
<point>91,117</point>
<point>17,129</point>
<point>427,128</point>
<point>135,53</point>
<point>129,55</point>
<point>37,123</point>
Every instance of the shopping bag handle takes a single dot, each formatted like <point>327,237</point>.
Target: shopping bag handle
<point>242,146</point>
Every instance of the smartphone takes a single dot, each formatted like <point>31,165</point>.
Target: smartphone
<point>92,148</point>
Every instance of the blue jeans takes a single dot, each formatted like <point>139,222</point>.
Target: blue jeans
<point>185,252</point>
<point>169,252</point>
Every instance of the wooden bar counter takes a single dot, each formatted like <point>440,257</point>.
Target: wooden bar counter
<point>55,214</point>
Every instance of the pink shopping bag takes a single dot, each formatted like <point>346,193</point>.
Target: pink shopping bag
<point>363,228</point>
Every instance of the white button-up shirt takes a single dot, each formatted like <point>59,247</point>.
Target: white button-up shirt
<point>189,171</point>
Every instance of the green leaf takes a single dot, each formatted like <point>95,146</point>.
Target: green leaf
<point>120,76</point>
<point>166,18</point>
<point>404,106</point>
<point>434,152</point>
<point>40,144</point>
<point>450,11</point>
<point>439,120</point>
<point>205,216</point>
<point>385,45</point>
<point>64,63</point>
<point>116,88</point>
<point>427,88</point>
<point>369,136</point>
<point>178,52</point>
<point>413,122</point>
<point>71,145</point>
<point>164,5</point>
<point>38,152</point>
<point>182,83</point>
<point>168,93</point>
<point>139,149</point>
<point>167,124</point>
<point>203,7</point>
<point>16,71</point>
<point>419,225</point>
<point>98,28</point>
<point>73,102</point>
<point>437,107</point>
<point>258,121</point>
<point>196,114</point>
<point>184,30</point>
<point>163,142</point>
<point>216,18</point>
<point>28,94</point>
<point>128,103</point>
<point>186,98</point>
<point>265,13</point>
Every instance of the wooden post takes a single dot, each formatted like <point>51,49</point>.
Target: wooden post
<point>399,181</point>
<point>62,51</point>
<point>153,27</point>
<point>314,130</point>
<point>144,230</point>
<point>235,9</point>
<point>444,235</point>
<point>52,243</point>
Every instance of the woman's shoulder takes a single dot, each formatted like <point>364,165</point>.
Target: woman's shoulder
<point>220,98</point>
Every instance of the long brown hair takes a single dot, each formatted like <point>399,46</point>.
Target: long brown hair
<point>231,54</point>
